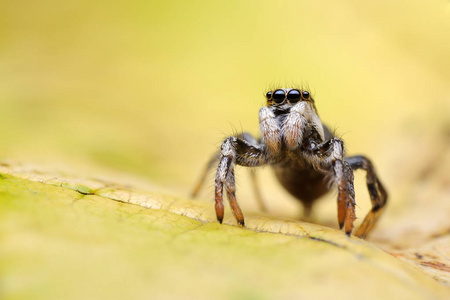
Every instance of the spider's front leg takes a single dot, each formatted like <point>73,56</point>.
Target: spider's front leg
<point>233,151</point>
<point>343,177</point>
<point>346,193</point>
<point>214,160</point>
<point>245,152</point>
<point>330,155</point>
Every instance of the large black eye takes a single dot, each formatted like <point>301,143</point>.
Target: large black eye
<point>293,96</point>
<point>269,95</point>
<point>305,95</point>
<point>278,96</point>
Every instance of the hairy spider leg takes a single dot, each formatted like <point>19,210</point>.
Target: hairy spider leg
<point>214,160</point>
<point>257,190</point>
<point>211,164</point>
<point>377,192</point>
<point>346,195</point>
<point>230,187</point>
<point>233,151</point>
<point>331,152</point>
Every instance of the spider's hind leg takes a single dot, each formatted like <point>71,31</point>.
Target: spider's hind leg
<point>377,192</point>
<point>209,166</point>
<point>257,191</point>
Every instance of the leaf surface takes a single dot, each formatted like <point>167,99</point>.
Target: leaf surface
<point>79,239</point>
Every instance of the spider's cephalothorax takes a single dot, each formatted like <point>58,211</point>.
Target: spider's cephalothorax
<point>303,153</point>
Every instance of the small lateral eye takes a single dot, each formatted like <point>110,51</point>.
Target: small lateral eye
<point>305,95</point>
<point>278,96</point>
<point>293,96</point>
<point>269,95</point>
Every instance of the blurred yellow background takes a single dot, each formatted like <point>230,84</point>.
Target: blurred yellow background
<point>152,87</point>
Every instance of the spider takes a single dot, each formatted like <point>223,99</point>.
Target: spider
<point>308,161</point>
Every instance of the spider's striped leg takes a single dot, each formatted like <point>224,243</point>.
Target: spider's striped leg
<point>377,192</point>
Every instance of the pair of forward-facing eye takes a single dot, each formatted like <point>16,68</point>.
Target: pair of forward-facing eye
<point>293,96</point>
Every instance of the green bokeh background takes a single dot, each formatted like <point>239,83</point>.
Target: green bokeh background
<point>152,87</point>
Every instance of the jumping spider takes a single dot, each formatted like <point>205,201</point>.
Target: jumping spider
<point>305,156</point>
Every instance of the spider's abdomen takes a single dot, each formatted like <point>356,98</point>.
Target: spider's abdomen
<point>299,177</point>
<point>303,182</point>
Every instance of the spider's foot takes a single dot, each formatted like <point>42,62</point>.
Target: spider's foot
<point>219,211</point>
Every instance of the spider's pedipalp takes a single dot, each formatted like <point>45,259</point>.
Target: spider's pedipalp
<point>294,125</point>
<point>317,124</point>
<point>300,115</point>
<point>269,130</point>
